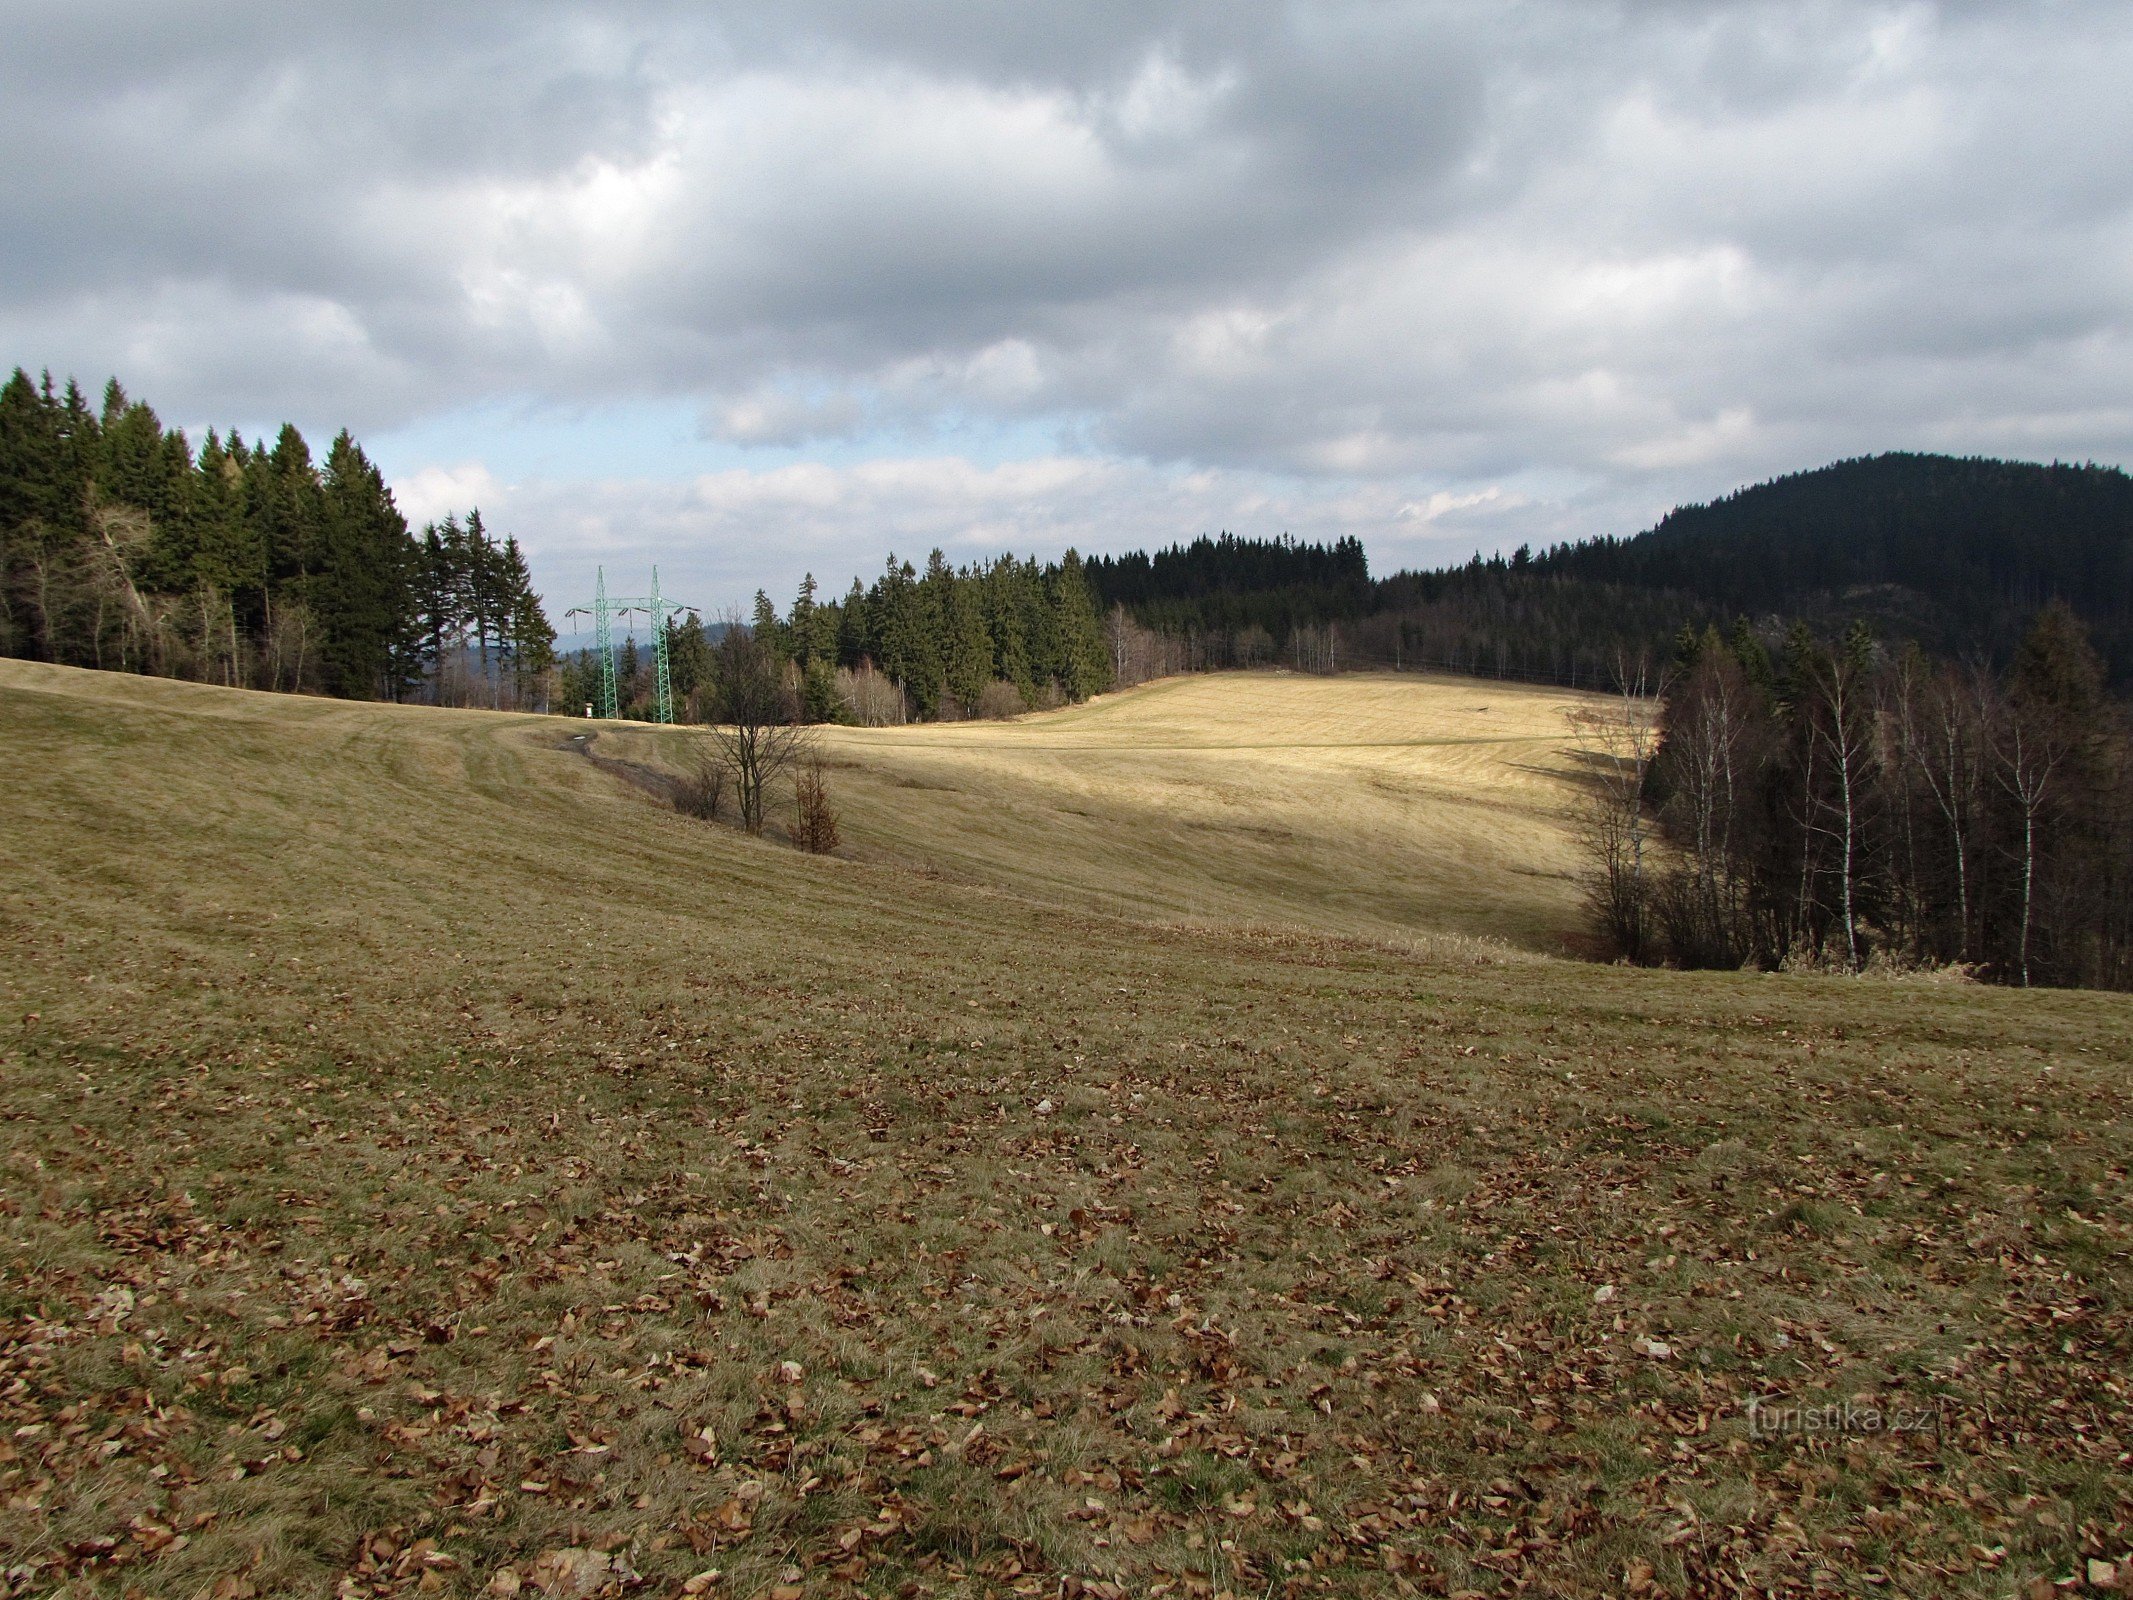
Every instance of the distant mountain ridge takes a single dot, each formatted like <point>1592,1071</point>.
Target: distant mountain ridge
<point>1964,549</point>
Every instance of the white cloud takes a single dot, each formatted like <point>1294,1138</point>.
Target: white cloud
<point>717,536</point>
<point>1268,265</point>
<point>434,493</point>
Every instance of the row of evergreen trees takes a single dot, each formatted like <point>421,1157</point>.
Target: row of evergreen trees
<point>245,563</point>
<point>980,640</point>
<point>1848,804</point>
<point>1228,587</point>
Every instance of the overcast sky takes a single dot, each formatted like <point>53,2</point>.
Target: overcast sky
<point>747,290</point>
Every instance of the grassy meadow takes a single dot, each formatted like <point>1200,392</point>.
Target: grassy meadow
<point>1376,807</point>
<point>433,1167</point>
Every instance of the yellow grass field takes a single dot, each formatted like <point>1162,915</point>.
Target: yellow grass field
<point>430,1167</point>
<point>1380,807</point>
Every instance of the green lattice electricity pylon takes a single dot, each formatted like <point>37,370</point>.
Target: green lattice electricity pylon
<point>604,609</point>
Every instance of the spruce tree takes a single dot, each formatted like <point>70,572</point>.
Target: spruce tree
<point>803,628</point>
<point>33,514</point>
<point>769,630</point>
<point>439,601</point>
<point>370,632</point>
<point>530,637</point>
<point>906,649</point>
<point>626,679</point>
<point>1084,663</point>
<point>688,657</point>
<point>1040,623</point>
<point>855,639</point>
<point>969,641</point>
<point>1005,609</point>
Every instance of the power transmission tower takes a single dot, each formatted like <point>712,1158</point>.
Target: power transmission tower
<point>607,647</point>
<point>659,612</point>
<point>664,685</point>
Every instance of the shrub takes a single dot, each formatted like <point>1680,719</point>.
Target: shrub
<point>873,700</point>
<point>814,819</point>
<point>703,792</point>
<point>999,701</point>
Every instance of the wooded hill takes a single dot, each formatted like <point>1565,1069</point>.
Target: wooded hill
<point>1958,555</point>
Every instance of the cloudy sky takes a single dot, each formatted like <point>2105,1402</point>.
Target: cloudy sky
<point>747,290</point>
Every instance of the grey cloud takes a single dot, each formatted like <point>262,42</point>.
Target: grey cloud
<point>1635,250</point>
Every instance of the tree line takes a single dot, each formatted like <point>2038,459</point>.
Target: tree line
<point>245,563</point>
<point>986,639</point>
<point>1256,591</point>
<point>1226,603</point>
<point>1843,805</point>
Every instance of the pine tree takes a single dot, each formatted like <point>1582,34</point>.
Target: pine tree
<point>855,638</point>
<point>370,644</point>
<point>769,630</point>
<point>969,641</point>
<point>1084,665</point>
<point>530,636</point>
<point>1005,609</point>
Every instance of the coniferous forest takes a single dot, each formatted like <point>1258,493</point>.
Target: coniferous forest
<point>988,639</point>
<point>249,564</point>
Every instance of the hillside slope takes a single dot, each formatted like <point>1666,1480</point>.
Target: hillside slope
<point>432,1167</point>
<point>1372,806</point>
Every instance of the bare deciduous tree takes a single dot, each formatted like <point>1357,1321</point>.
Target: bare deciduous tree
<point>758,736</point>
<point>701,792</point>
<point>2027,753</point>
<point>1840,731</point>
<point>1615,829</point>
<point>871,699</point>
<point>1708,752</point>
<point>1936,722</point>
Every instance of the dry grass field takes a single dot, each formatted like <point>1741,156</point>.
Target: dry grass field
<point>1380,807</point>
<point>431,1167</point>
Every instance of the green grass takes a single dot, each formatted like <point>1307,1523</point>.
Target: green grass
<point>415,1140</point>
